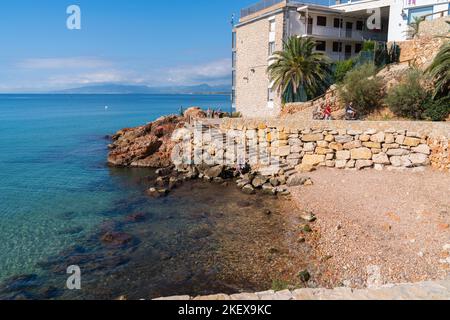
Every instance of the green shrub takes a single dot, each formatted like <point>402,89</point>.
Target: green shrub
<point>342,68</point>
<point>279,285</point>
<point>438,110</point>
<point>409,99</point>
<point>362,88</point>
<point>368,46</point>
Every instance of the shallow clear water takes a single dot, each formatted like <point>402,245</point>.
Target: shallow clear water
<point>53,176</point>
<point>58,199</point>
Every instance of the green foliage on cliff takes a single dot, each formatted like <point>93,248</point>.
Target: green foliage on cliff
<point>409,99</point>
<point>363,88</point>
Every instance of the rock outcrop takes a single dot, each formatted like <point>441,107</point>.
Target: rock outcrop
<point>149,145</point>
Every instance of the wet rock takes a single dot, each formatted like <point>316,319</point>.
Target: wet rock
<point>136,217</point>
<point>157,193</point>
<point>50,293</point>
<point>21,282</point>
<point>248,189</point>
<point>116,238</point>
<point>296,180</point>
<point>164,171</point>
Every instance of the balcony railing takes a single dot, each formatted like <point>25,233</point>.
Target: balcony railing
<point>349,34</point>
<point>259,6</point>
<point>268,3</point>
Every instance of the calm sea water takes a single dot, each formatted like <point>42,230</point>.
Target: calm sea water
<point>54,184</point>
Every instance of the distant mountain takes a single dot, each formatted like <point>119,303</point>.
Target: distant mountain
<point>137,89</point>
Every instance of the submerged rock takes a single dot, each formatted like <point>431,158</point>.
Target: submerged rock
<point>116,238</point>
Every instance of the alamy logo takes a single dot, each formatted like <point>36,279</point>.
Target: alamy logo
<point>74,19</point>
<point>74,281</point>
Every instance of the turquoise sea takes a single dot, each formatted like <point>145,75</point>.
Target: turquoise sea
<point>52,159</point>
<point>58,200</point>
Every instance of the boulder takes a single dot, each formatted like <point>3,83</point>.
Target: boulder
<point>305,168</point>
<point>269,189</point>
<point>248,189</point>
<point>297,180</point>
<point>259,181</point>
<point>214,172</point>
<point>308,216</point>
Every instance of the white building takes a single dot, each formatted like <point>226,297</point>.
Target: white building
<point>339,30</point>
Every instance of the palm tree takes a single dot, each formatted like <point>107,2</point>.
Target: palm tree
<point>298,72</point>
<point>414,27</point>
<point>440,71</point>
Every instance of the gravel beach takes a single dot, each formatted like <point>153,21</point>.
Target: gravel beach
<point>375,228</point>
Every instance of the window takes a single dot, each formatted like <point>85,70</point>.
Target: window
<point>338,23</point>
<point>337,46</point>
<point>233,40</point>
<point>233,78</point>
<point>322,21</point>
<point>233,97</point>
<point>272,25</point>
<point>321,46</point>
<point>270,95</point>
<point>359,25</point>
<point>271,48</point>
<point>420,12</point>
<point>233,59</point>
<point>358,47</point>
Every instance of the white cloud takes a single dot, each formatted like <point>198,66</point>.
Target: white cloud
<point>88,78</point>
<point>63,63</point>
<point>212,71</point>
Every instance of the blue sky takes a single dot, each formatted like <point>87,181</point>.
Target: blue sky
<point>135,41</point>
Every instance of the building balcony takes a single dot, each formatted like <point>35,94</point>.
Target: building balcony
<point>330,33</point>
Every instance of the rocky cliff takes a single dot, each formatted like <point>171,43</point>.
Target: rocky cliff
<point>149,145</point>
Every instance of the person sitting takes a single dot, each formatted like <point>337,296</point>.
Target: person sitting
<point>327,112</point>
<point>350,112</point>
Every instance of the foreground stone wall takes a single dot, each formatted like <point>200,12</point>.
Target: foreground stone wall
<point>336,144</point>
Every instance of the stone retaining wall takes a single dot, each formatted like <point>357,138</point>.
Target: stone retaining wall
<point>335,144</point>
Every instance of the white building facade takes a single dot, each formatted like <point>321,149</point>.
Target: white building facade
<point>339,31</point>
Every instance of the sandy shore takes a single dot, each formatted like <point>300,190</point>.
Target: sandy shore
<point>375,228</point>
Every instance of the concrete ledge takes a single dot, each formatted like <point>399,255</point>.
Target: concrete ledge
<point>430,290</point>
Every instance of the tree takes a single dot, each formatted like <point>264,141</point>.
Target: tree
<point>299,73</point>
<point>414,27</point>
<point>439,70</point>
